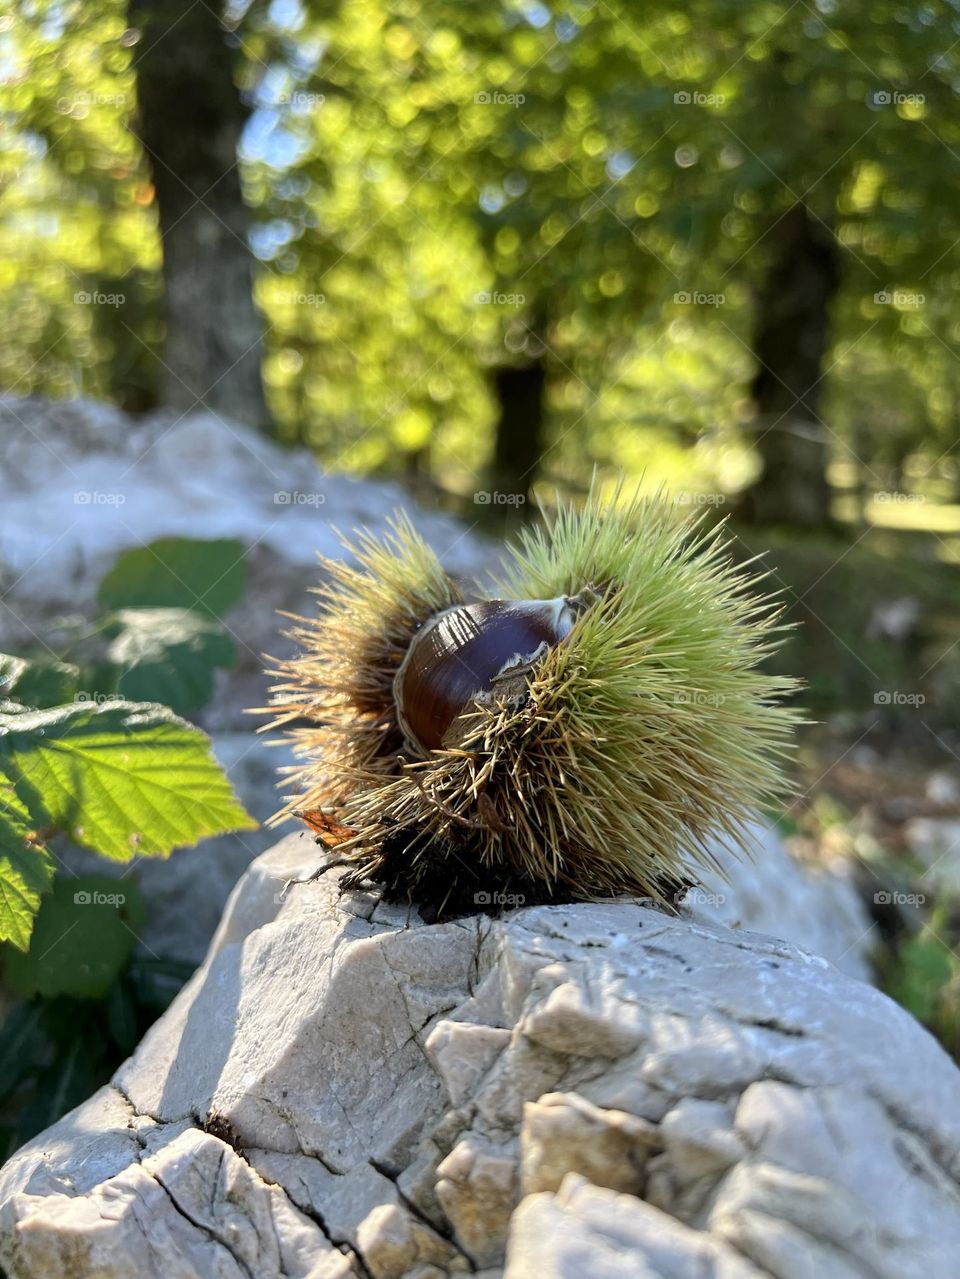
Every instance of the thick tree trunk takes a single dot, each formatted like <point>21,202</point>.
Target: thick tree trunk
<point>518,442</point>
<point>190,118</point>
<point>790,339</point>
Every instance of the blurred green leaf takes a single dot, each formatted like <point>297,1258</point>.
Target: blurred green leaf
<point>785,822</point>
<point>35,683</point>
<point>925,966</point>
<point>177,572</point>
<point>83,936</point>
<point>169,655</point>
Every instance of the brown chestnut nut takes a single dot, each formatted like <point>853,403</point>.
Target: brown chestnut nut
<point>469,654</point>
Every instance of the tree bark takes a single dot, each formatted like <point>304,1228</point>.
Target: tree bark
<point>190,119</point>
<point>519,436</point>
<point>790,340</point>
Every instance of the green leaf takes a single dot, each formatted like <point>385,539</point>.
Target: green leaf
<point>169,655</point>
<point>119,778</point>
<point>26,869</point>
<point>84,934</point>
<point>35,683</point>
<point>178,572</point>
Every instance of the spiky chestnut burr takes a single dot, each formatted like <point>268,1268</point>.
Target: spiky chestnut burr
<point>583,734</point>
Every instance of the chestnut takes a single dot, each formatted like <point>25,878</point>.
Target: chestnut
<point>472,653</point>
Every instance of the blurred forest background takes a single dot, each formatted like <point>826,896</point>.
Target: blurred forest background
<point>486,248</point>
<point>715,243</point>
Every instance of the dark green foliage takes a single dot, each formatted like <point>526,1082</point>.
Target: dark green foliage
<point>177,572</point>
<point>37,682</point>
<point>123,778</point>
<point>55,1052</point>
<point>83,936</point>
<point>161,640</point>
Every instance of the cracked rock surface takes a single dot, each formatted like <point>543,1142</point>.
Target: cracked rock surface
<point>566,1092</point>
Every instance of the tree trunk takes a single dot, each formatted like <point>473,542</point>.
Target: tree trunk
<point>190,119</point>
<point>862,490</point>
<point>790,339</point>
<point>518,442</point>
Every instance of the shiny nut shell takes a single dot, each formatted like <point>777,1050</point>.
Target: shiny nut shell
<point>457,657</point>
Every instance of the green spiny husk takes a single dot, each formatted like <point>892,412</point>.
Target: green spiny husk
<point>336,701</point>
<point>646,733</point>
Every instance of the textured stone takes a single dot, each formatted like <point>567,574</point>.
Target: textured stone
<point>564,1133</point>
<point>193,1208</point>
<point>593,1090</point>
<point>590,1231</point>
<point>817,907</point>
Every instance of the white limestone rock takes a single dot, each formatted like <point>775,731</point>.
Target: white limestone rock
<point>935,842</point>
<point>597,1090</point>
<point>817,907</point>
<point>590,1230</point>
<point>193,1207</point>
<point>81,482</point>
